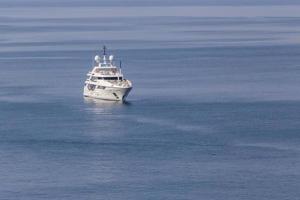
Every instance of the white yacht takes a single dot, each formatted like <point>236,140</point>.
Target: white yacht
<point>106,80</point>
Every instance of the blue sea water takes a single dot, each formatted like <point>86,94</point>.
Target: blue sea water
<point>214,112</point>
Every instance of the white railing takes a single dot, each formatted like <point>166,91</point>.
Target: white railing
<point>107,72</point>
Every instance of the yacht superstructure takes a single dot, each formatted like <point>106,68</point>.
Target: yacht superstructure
<point>106,80</point>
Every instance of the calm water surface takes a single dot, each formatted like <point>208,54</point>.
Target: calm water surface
<point>214,113</point>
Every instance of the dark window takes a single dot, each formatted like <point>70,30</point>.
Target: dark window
<point>108,78</point>
<point>101,87</point>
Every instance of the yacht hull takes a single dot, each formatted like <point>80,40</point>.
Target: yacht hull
<point>107,93</point>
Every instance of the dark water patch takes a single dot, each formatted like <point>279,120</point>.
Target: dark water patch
<point>59,28</point>
<point>124,3</point>
<point>227,22</point>
<point>160,53</point>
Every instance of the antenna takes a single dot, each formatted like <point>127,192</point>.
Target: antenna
<point>120,66</point>
<point>104,50</point>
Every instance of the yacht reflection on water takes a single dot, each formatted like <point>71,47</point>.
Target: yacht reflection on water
<point>100,106</point>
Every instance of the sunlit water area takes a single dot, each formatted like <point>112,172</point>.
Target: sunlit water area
<point>213,114</point>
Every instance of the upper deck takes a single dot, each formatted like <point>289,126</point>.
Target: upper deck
<point>105,72</point>
<point>105,67</point>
